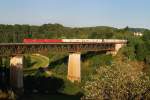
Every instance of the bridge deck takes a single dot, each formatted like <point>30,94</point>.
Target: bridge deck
<point>22,48</point>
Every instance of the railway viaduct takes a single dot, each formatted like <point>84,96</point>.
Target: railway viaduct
<point>16,50</point>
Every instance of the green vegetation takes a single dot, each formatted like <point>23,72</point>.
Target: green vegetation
<point>34,62</point>
<point>125,76</point>
<point>120,81</point>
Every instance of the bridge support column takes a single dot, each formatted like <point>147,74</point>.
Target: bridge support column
<point>117,47</point>
<point>16,72</point>
<point>74,70</point>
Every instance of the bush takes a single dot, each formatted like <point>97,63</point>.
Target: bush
<point>129,52</point>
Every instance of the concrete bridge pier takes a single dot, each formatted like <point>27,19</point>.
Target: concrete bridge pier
<point>16,72</point>
<point>117,48</point>
<point>74,64</point>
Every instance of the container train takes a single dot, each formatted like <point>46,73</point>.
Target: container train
<point>71,40</point>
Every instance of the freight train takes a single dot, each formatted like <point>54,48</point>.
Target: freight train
<point>72,40</point>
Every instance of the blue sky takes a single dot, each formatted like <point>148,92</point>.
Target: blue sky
<point>77,13</point>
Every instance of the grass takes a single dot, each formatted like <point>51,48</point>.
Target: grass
<point>38,61</point>
<point>70,90</point>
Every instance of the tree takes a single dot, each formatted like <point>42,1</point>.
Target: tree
<point>126,28</point>
<point>129,52</point>
<point>27,61</point>
<point>146,35</point>
<point>141,51</point>
<point>121,81</point>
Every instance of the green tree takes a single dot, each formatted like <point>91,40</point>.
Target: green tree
<point>141,51</point>
<point>27,61</point>
<point>129,52</point>
<point>146,35</point>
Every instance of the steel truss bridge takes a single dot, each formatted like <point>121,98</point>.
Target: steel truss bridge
<point>16,51</point>
<point>28,48</point>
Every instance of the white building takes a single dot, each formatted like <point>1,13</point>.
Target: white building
<point>138,34</point>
